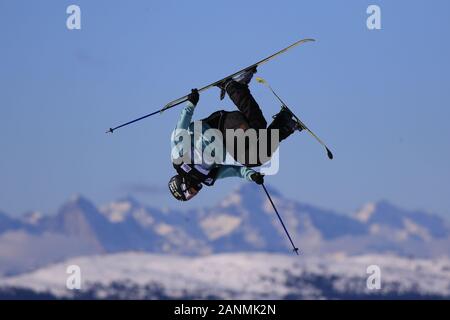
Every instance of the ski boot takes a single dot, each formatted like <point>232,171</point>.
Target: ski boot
<point>244,78</point>
<point>286,123</point>
<point>297,126</point>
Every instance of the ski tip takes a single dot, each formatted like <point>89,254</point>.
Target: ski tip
<point>305,40</point>
<point>330,154</point>
<point>260,80</point>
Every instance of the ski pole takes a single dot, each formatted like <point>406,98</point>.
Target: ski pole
<point>111,130</point>
<point>170,105</point>
<point>281,220</point>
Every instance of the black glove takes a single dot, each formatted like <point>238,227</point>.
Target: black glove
<point>193,97</point>
<point>257,177</point>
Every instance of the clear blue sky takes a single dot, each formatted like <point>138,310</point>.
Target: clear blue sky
<point>380,99</point>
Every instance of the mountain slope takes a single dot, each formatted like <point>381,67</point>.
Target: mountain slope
<point>242,221</point>
<point>236,276</point>
<point>8,224</point>
<point>385,216</point>
<point>245,220</point>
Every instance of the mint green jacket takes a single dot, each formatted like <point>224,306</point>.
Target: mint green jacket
<point>185,123</point>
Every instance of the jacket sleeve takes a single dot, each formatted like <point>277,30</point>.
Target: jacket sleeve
<point>186,116</point>
<point>181,132</point>
<point>228,171</point>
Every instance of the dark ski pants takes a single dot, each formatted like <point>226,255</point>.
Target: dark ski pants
<point>251,116</point>
<point>244,101</point>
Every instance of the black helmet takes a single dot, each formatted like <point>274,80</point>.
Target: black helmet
<point>179,187</point>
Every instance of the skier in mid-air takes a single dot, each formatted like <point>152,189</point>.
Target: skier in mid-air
<point>195,138</point>
<point>191,177</point>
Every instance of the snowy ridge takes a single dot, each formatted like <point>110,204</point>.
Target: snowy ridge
<point>243,222</point>
<point>238,276</point>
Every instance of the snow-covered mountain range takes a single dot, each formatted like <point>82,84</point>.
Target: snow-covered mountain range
<point>235,276</point>
<point>242,222</point>
<point>235,249</point>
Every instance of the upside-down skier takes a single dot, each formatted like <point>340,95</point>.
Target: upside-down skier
<point>192,176</point>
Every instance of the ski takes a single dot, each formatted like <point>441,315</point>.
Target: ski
<point>178,101</point>
<point>301,124</point>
